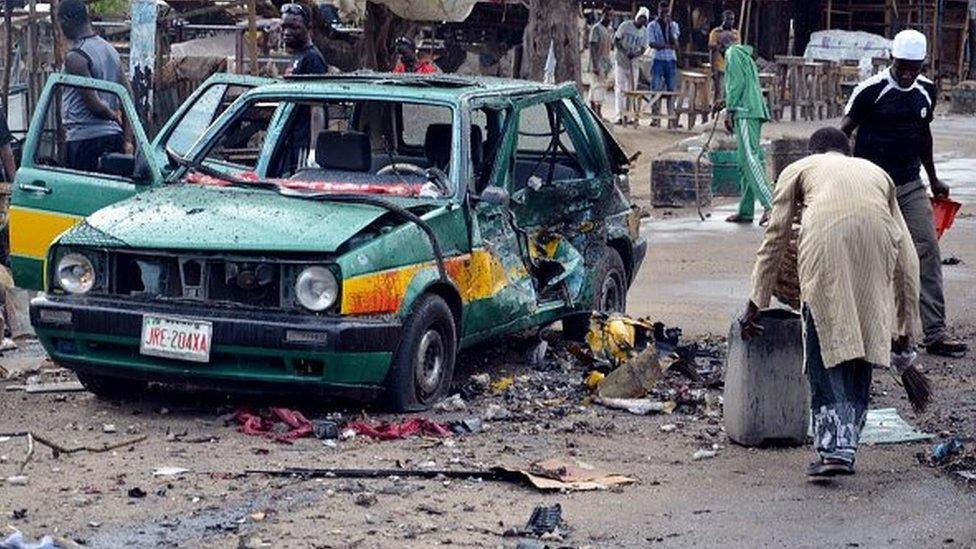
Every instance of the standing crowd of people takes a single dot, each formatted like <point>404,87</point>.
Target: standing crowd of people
<point>614,55</point>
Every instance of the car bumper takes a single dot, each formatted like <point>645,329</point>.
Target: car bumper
<point>252,351</point>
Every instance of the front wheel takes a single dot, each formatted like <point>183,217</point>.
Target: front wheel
<point>609,294</point>
<point>423,364</point>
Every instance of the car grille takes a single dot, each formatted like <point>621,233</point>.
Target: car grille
<point>255,283</point>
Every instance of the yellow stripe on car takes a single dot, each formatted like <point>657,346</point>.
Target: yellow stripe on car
<point>478,275</point>
<point>33,231</point>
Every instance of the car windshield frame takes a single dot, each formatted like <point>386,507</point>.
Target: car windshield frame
<point>458,169</point>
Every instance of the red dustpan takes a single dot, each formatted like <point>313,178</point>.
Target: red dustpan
<point>944,211</point>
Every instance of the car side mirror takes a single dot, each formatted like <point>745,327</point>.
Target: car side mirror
<point>495,196</point>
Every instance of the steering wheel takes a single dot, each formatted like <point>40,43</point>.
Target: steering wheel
<point>401,167</point>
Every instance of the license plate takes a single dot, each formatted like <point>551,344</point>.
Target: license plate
<point>177,338</point>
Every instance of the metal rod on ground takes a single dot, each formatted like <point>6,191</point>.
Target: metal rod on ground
<point>711,133</point>
<point>377,473</point>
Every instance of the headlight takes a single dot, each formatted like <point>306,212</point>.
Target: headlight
<point>316,288</point>
<point>76,274</point>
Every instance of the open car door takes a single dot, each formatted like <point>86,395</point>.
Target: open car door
<point>55,188</point>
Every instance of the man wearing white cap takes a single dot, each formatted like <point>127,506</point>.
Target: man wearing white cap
<point>892,113</point>
<point>630,40</point>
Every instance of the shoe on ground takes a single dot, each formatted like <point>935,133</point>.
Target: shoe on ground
<point>736,218</point>
<point>949,348</point>
<point>826,468</point>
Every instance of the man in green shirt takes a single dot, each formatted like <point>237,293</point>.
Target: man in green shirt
<point>746,113</point>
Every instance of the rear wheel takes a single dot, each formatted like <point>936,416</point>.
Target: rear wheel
<point>423,363</point>
<point>112,388</point>
<point>610,294</point>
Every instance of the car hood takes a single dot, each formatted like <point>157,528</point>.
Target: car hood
<point>193,217</point>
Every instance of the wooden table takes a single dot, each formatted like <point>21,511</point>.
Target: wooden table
<point>694,99</point>
<point>770,88</point>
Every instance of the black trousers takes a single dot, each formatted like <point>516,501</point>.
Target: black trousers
<point>838,399</point>
<point>83,154</point>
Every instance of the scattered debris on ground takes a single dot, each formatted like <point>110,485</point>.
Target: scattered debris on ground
<point>279,424</point>
<point>955,456</point>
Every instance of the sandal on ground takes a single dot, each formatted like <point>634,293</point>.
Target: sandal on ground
<point>829,468</point>
<point>948,347</point>
<point>736,218</point>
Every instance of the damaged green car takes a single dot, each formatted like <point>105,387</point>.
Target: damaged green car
<point>335,235</point>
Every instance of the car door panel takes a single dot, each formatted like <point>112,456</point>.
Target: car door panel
<point>498,246</point>
<point>48,199</point>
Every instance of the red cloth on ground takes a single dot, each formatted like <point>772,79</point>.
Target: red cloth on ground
<point>252,424</point>
<point>392,431</point>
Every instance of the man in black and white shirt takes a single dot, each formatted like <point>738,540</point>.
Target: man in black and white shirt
<point>306,60</point>
<point>892,113</point>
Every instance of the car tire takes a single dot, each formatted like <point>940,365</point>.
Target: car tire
<point>423,363</point>
<point>610,278</point>
<point>112,388</point>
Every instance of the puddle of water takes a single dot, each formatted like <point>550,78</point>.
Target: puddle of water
<point>960,174</point>
<point>681,229</point>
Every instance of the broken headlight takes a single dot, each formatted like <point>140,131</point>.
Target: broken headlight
<point>316,288</point>
<point>75,274</point>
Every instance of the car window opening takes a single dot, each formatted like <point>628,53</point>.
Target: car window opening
<point>347,146</point>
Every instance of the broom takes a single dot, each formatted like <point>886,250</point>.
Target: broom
<point>917,386</point>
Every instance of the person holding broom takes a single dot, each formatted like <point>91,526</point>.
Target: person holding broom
<point>856,264</point>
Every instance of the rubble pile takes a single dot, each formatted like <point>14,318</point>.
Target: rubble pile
<point>955,456</point>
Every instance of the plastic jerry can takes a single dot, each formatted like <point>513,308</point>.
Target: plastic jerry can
<point>767,394</point>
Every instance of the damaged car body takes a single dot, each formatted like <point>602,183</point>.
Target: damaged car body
<point>426,215</point>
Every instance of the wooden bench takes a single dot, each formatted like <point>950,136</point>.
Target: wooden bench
<point>637,99</point>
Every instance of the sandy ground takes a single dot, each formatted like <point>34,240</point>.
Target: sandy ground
<point>695,276</point>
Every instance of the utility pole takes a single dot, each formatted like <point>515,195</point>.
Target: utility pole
<point>8,47</point>
<point>252,37</point>
<point>142,58</point>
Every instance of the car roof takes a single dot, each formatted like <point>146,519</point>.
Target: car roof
<point>444,87</point>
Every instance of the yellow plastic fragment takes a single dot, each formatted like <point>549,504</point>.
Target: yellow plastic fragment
<point>593,380</point>
<point>502,384</point>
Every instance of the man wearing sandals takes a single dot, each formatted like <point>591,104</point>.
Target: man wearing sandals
<point>858,273</point>
<point>892,113</point>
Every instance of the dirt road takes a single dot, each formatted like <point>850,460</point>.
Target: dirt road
<point>696,277</point>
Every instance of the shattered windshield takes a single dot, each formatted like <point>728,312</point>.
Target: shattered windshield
<point>331,145</point>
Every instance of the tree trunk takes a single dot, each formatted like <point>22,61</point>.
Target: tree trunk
<point>556,22</point>
<point>376,41</point>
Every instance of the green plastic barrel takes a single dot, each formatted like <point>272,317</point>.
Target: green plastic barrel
<point>725,174</point>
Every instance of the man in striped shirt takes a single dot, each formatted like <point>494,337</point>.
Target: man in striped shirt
<point>858,276</point>
<point>892,113</point>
